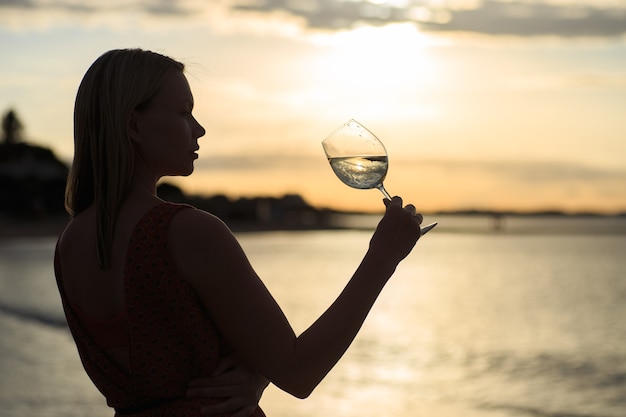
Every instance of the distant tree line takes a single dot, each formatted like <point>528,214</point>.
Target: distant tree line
<point>290,211</point>
<point>32,178</point>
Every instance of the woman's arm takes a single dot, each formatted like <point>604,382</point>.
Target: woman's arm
<point>247,315</point>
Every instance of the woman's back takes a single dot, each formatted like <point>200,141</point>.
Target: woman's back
<point>170,338</point>
<point>99,293</point>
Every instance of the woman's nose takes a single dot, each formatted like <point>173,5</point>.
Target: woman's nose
<point>199,130</point>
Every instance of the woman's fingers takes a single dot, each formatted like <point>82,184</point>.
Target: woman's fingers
<point>395,201</point>
<point>244,412</point>
<point>226,364</point>
<point>233,377</point>
<point>228,406</point>
<point>238,387</point>
<point>398,231</point>
<point>213,391</point>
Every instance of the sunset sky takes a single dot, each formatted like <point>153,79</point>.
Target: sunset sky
<point>488,104</point>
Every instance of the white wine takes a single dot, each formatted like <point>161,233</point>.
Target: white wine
<point>362,172</point>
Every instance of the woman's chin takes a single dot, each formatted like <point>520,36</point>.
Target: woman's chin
<point>182,172</point>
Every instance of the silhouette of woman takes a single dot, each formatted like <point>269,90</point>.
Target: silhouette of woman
<point>168,315</point>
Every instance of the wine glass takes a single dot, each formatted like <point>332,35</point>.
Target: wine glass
<point>359,158</point>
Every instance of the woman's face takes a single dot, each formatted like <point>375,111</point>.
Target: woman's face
<point>165,132</point>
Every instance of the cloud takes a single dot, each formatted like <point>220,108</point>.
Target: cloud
<point>566,18</point>
<point>25,4</point>
<point>492,17</point>
<point>24,15</point>
<point>514,171</point>
<point>451,183</point>
<point>152,7</point>
<point>260,162</point>
<point>561,172</point>
<point>529,171</point>
<point>530,19</point>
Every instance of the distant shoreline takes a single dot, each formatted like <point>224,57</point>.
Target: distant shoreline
<point>483,222</point>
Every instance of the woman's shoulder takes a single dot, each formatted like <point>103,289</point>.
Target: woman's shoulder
<point>201,242</point>
<point>195,226</point>
<point>192,218</point>
<point>78,229</point>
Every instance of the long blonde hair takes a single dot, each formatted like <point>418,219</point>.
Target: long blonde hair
<point>117,83</point>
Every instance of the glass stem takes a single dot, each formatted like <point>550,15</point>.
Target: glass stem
<point>382,190</point>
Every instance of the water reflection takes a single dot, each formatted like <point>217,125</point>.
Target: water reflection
<point>472,325</point>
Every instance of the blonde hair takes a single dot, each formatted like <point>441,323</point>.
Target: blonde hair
<point>117,83</point>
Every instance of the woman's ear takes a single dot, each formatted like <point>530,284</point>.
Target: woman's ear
<point>132,127</point>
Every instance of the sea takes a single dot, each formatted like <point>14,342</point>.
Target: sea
<point>504,317</point>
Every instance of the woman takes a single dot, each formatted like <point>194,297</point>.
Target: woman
<point>157,294</point>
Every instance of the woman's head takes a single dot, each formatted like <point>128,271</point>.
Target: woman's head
<point>116,85</point>
<point>164,132</point>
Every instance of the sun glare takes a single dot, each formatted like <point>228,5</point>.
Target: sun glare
<point>375,70</point>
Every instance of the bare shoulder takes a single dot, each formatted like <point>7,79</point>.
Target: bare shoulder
<point>197,226</point>
<point>77,231</point>
<point>200,241</point>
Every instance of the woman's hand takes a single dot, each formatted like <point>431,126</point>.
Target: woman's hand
<point>397,232</point>
<point>239,385</point>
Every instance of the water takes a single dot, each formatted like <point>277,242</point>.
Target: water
<point>361,172</point>
<point>473,324</point>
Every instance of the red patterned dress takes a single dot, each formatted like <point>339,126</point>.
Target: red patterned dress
<point>170,337</point>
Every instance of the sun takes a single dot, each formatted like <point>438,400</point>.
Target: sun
<point>374,69</point>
